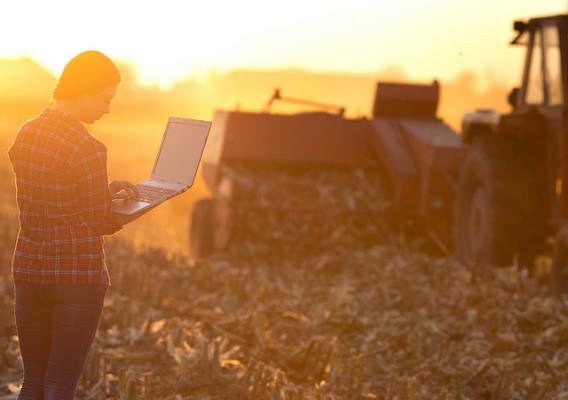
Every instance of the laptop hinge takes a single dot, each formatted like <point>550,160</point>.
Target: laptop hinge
<point>164,184</point>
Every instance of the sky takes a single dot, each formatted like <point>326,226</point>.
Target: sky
<point>166,40</point>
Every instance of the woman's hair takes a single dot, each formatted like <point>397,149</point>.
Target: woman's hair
<point>86,74</point>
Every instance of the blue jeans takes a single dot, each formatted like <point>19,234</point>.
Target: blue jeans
<point>56,326</point>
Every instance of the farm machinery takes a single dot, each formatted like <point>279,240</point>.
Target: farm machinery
<point>494,193</point>
<point>404,140</point>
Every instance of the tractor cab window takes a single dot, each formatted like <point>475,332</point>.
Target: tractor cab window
<point>535,92</point>
<point>553,70</point>
<point>523,39</point>
<point>544,84</point>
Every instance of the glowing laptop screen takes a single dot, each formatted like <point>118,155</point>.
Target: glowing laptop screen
<point>181,149</point>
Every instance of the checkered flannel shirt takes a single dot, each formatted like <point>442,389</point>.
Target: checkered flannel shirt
<point>64,202</point>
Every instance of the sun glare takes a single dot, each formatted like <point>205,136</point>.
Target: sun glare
<point>167,42</point>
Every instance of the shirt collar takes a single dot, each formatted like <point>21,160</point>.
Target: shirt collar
<point>52,112</point>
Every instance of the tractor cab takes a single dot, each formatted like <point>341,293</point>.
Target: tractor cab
<point>542,90</point>
<point>543,85</point>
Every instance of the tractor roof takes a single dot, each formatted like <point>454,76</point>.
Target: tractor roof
<point>521,26</point>
<point>548,19</point>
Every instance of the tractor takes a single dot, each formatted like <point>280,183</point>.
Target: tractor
<point>512,194</point>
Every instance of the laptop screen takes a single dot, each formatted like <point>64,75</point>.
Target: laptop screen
<point>181,150</point>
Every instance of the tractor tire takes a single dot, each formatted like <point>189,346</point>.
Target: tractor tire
<point>559,276</point>
<point>201,229</point>
<point>501,209</point>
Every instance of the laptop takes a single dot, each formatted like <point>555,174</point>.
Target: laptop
<point>175,167</point>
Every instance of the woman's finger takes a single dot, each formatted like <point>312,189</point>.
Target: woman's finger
<point>120,195</point>
<point>134,189</point>
<point>130,189</point>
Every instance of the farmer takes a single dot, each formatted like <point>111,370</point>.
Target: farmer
<point>64,199</point>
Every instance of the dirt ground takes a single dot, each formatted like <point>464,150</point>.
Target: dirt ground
<point>354,319</point>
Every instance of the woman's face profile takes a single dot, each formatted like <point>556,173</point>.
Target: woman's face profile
<point>93,107</point>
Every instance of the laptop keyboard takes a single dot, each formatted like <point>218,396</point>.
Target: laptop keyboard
<point>150,194</point>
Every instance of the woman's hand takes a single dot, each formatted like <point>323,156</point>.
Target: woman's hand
<point>123,190</point>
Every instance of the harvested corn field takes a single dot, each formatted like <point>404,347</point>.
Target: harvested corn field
<point>354,319</point>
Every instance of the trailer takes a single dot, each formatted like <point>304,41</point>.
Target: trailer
<point>419,153</point>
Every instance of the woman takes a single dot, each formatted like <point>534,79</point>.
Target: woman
<point>64,199</point>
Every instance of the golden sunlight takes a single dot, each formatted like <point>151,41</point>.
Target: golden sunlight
<point>336,185</point>
<point>435,38</point>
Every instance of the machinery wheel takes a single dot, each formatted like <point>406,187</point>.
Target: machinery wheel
<point>559,278</point>
<point>501,206</point>
<point>201,229</point>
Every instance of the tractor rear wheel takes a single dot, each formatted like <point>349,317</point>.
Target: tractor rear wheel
<point>559,276</point>
<point>501,206</point>
<point>201,229</point>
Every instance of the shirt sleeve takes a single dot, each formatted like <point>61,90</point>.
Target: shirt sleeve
<point>89,166</point>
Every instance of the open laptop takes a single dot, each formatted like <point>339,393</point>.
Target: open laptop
<point>175,167</point>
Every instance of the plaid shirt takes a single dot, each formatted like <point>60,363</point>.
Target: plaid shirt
<point>64,202</point>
